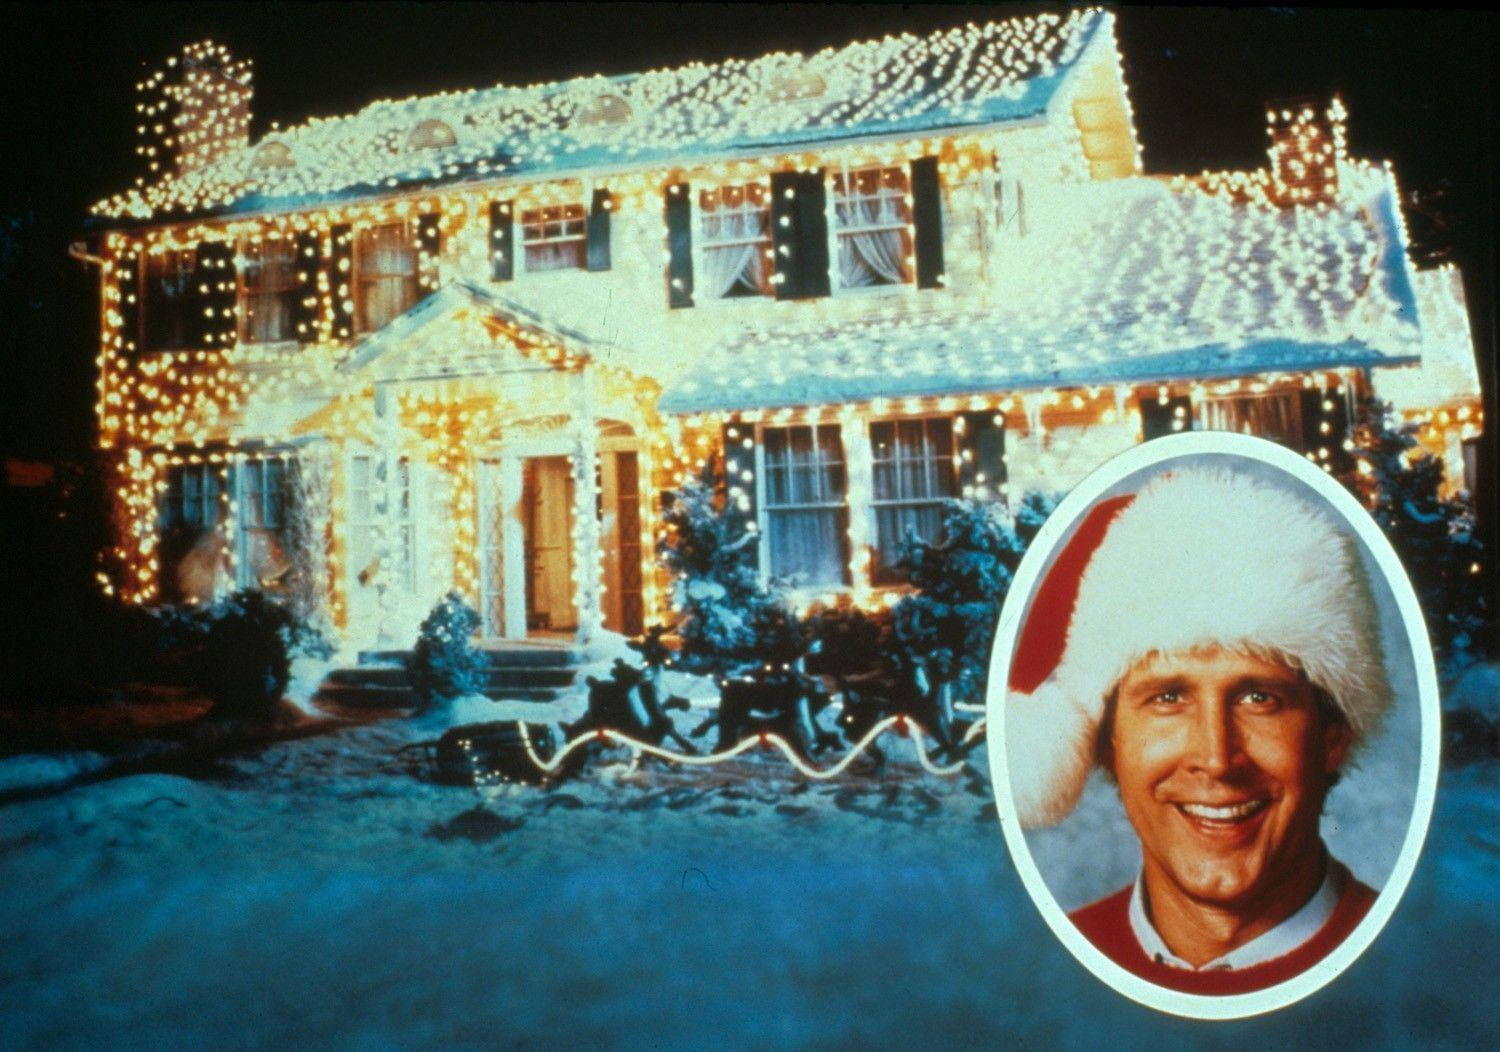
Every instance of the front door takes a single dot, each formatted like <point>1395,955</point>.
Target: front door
<point>548,517</point>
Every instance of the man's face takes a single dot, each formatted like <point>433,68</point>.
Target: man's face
<point>1223,761</point>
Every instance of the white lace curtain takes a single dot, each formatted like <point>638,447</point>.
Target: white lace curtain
<point>731,265</point>
<point>871,256</point>
<point>736,236</point>
<point>269,273</point>
<point>388,273</point>
<point>806,514</point>
<point>555,255</point>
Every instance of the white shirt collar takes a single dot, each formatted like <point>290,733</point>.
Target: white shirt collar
<point>1279,941</point>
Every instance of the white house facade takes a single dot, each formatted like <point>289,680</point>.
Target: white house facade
<point>472,341</point>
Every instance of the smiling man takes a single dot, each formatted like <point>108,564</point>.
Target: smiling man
<point>1212,643</point>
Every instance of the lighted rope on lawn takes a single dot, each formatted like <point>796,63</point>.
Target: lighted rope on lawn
<point>764,738</point>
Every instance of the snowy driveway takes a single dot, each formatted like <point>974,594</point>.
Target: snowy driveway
<point>309,898</point>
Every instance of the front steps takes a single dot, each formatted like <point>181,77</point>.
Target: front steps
<point>515,672</point>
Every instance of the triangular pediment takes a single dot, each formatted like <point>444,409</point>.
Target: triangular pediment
<point>463,330</point>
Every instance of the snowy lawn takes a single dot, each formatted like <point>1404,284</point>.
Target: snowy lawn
<point>317,894</point>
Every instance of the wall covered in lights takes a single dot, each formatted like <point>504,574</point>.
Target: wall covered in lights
<point>469,341</point>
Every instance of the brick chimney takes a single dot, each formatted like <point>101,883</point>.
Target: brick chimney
<point>1307,144</point>
<point>194,110</point>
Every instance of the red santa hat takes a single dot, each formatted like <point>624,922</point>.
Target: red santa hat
<point>1198,557</point>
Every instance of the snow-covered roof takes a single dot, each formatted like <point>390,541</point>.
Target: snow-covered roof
<point>1448,373</point>
<point>1128,280</point>
<point>974,75</point>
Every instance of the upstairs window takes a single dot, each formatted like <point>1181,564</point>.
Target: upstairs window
<point>431,135</point>
<point>806,514</point>
<point>268,291</point>
<point>915,472</point>
<point>734,223</point>
<point>872,219</point>
<point>386,275</point>
<point>555,238</point>
<point>170,299</point>
<point>602,111</point>
<point>273,155</point>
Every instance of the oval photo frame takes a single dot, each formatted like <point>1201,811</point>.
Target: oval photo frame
<point>1410,668</point>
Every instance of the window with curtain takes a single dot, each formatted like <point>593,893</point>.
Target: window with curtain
<point>386,280</point>
<point>555,238</point>
<point>734,224</point>
<point>807,518</point>
<point>914,473</point>
<point>169,300</point>
<point>190,544</point>
<point>872,218</point>
<point>1277,417</point>
<point>264,560</point>
<point>192,497</point>
<point>268,291</point>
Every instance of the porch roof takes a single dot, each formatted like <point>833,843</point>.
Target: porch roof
<point>1129,281</point>
<point>444,352</point>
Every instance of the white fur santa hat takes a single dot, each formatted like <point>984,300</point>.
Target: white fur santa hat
<point>1197,557</point>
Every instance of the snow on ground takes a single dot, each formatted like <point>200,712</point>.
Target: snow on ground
<point>317,894</point>
<point>45,769</point>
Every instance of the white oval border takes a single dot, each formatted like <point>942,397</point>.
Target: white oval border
<point>1067,513</point>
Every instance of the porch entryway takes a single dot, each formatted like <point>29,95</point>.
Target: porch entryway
<point>529,533</point>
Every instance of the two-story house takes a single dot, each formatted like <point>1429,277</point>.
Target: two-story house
<point>469,341</point>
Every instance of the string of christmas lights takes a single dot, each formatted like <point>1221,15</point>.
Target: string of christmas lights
<point>902,726</point>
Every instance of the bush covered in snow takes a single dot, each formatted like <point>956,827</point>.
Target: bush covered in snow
<point>236,650</point>
<point>445,663</point>
<point>948,623</point>
<point>726,616</point>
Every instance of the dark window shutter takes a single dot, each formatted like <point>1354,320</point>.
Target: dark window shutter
<point>677,211</point>
<point>927,218</point>
<point>739,478</point>
<point>1331,409</point>
<point>429,248</point>
<point>981,450</point>
<point>128,271</point>
<point>341,280</point>
<point>215,290</point>
<point>799,234</point>
<point>1158,418</point>
<point>598,230</point>
<point>502,240</point>
<point>308,249</point>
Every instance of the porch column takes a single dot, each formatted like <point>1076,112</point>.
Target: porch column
<point>859,463</point>
<point>586,547</point>
<point>513,546</point>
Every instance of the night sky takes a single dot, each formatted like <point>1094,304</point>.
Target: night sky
<point>1417,85</point>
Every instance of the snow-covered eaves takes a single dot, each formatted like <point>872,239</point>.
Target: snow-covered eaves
<point>976,75</point>
<point>1121,282</point>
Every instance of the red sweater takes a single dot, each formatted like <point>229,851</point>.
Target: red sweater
<point>1106,924</point>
